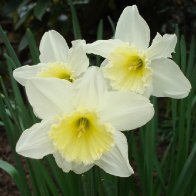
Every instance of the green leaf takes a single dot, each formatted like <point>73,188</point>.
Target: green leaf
<point>111,24</point>
<point>183,53</point>
<point>75,23</point>
<point>10,7</point>
<point>99,36</point>
<point>23,19</point>
<point>11,170</point>
<point>186,174</point>
<point>32,46</point>
<point>191,59</point>
<point>23,44</point>
<point>40,8</point>
<point>9,48</point>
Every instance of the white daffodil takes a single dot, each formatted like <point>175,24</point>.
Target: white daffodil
<point>56,60</point>
<point>132,65</point>
<point>82,123</point>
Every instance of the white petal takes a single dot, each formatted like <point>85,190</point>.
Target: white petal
<point>90,89</point>
<point>116,161</point>
<point>127,110</point>
<point>77,58</point>
<point>162,46</point>
<point>22,74</point>
<point>103,47</point>
<point>49,96</point>
<point>157,38</point>
<point>34,142</point>
<point>53,47</point>
<point>70,166</point>
<point>62,163</point>
<point>148,91</point>
<point>104,63</point>
<point>132,28</point>
<point>81,168</point>
<point>79,42</point>
<point>168,80</point>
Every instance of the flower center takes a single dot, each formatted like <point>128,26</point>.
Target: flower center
<point>81,137</point>
<point>83,125</point>
<point>128,70</point>
<point>56,70</point>
<point>136,63</point>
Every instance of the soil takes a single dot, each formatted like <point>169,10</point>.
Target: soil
<point>7,186</point>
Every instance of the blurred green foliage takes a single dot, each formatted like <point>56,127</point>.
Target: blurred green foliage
<point>42,15</point>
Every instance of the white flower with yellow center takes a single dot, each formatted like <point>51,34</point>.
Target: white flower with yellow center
<point>82,123</point>
<point>56,60</point>
<point>132,65</point>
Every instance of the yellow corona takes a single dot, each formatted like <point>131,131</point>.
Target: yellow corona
<point>81,137</point>
<point>127,69</point>
<point>56,70</point>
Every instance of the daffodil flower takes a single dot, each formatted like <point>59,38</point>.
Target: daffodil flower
<point>82,123</point>
<point>56,60</point>
<point>132,65</point>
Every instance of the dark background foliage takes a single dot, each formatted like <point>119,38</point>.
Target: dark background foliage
<point>42,15</point>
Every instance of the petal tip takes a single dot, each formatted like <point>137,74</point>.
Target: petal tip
<point>132,8</point>
<point>18,148</point>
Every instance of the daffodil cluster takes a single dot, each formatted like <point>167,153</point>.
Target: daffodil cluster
<point>84,109</point>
